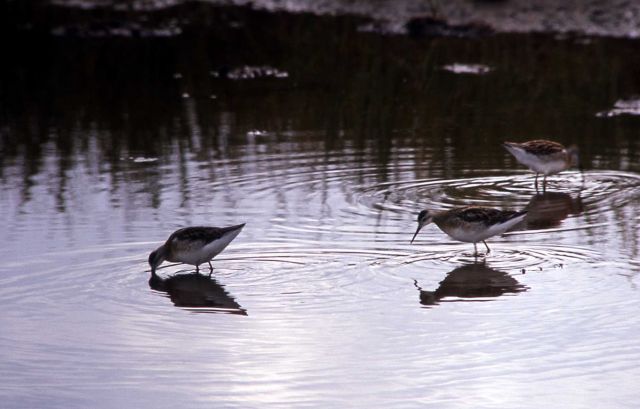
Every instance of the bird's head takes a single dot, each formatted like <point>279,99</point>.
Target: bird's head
<point>156,258</point>
<point>424,218</point>
<point>573,154</point>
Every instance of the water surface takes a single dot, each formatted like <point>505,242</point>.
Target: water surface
<point>326,141</point>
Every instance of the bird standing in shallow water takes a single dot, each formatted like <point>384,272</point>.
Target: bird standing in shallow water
<point>542,156</point>
<point>471,224</point>
<point>194,245</point>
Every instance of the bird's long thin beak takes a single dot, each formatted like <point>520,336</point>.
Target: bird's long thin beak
<point>420,225</point>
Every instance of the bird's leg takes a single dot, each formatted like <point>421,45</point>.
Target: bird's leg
<point>210,266</point>
<point>488,249</point>
<point>536,183</point>
<point>197,268</point>
<point>475,250</point>
<point>544,184</point>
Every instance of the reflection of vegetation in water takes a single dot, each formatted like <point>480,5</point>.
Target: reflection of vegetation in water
<point>114,98</point>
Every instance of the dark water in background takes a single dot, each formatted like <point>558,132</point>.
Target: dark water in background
<point>327,141</point>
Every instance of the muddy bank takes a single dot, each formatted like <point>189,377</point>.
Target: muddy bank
<point>615,18</point>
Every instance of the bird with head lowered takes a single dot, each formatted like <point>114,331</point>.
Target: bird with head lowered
<point>471,224</point>
<point>194,245</point>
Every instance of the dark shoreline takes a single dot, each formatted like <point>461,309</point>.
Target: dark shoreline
<point>355,85</point>
<point>614,18</point>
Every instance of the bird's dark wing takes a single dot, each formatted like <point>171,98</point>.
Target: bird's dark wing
<point>486,215</point>
<point>201,233</point>
<point>542,147</point>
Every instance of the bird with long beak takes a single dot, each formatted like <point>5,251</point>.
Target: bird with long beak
<point>194,245</point>
<point>543,156</point>
<point>471,224</point>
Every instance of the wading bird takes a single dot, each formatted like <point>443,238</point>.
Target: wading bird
<point>471,224</point>
<point>542,156</point>
<point>194,245</point>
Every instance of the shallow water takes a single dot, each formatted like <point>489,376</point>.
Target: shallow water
<point>321,300</point>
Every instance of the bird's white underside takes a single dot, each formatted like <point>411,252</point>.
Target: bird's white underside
<point>476,235</point>
<point>534,162</point>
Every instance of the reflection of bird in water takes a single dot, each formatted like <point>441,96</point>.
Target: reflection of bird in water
<point>472,281</point>
<point>196,291</point>
<point>471,224</point>
<point>551,208</point>
<point>542,156</point>
<point>194,245</point>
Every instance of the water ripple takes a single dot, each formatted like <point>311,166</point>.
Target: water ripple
<point>568,195</point>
